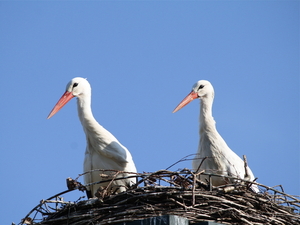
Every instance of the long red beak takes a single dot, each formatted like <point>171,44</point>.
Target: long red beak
<point>65,98</point>
<point>190,97</point>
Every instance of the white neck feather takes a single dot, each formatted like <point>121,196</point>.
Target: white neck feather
<point>207,122</point>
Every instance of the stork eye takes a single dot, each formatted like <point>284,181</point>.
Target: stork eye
<point>75,85</point>
<point>201,86</point>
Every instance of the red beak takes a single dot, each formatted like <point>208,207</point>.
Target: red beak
<point>65,98</point>
<point>190,97</point>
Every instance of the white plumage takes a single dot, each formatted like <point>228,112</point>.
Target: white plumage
<point>103,150</point>
<point>220,158</point>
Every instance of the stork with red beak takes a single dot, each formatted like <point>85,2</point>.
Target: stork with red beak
<point>214,156</point>
<point>103,150</point>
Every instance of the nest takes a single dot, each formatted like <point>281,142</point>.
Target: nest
<point>171,193</point>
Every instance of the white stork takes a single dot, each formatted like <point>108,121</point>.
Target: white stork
<point>220,158</point>
<point>103,150</point>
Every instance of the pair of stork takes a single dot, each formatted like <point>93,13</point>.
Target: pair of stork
<point>104,151</point>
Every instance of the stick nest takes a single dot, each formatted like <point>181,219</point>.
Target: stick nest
<point>171,193</point>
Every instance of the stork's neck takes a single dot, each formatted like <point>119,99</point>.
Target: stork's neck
<point>207,122</point>
<point>84,110</point>
<point>95,133</point>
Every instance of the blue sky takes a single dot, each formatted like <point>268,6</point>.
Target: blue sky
<point>142,58</point>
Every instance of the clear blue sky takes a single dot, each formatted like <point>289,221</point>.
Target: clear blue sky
<point>142,58</point>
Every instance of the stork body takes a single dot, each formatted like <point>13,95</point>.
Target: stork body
<point>103,150</point>
<point>213,155</point>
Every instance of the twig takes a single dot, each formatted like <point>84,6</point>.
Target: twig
<point>246,167</point>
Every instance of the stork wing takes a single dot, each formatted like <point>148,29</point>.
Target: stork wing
<point>107,145</point>
<point>116,151</point>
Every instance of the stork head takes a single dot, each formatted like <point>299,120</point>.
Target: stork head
<point>77,87</point>
<point>201,90</point>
